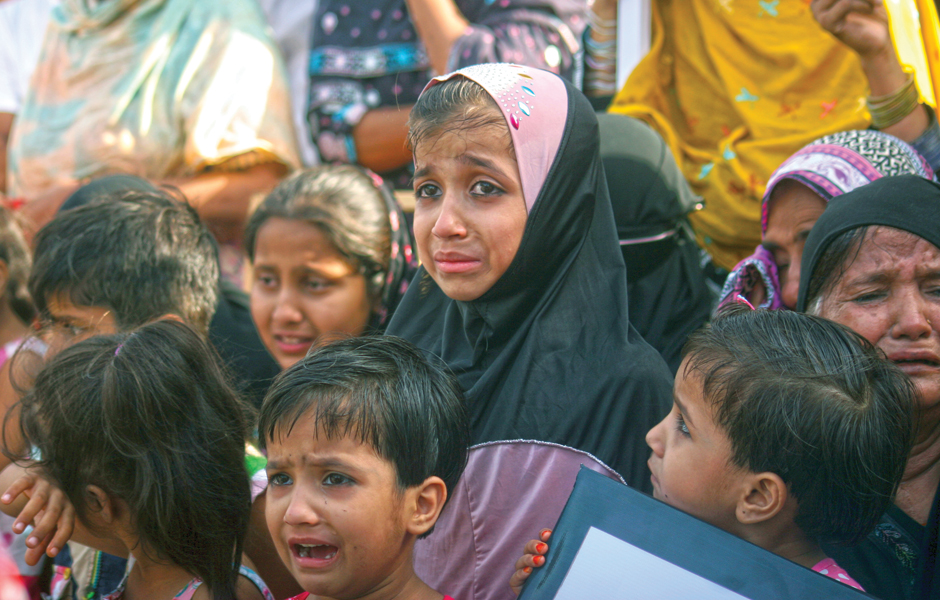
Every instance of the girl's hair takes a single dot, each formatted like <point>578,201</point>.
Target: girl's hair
<point>815,403</point>
<point>346,205</point>
<point>458,104</point>
<point>15,253</point>
<point>148,417</point>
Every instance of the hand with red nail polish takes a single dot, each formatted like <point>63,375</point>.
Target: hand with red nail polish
<point>533,555</point>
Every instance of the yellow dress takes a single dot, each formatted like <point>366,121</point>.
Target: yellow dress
<point>735,87</point>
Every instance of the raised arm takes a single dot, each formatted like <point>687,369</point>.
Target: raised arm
<point>862,25</point>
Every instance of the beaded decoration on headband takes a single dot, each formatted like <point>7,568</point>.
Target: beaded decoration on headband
<point>535,105</point>
<point>511,86</point>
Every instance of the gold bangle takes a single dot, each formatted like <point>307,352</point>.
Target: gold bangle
<point>892,108</point>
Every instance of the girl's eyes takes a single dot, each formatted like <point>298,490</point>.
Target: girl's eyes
<point>279,479</point>
<point>485,188</point>
<point>480,188</point>
<point>317,285</point>
<point>336,479</point>
<point>427,190</point>
<point>266,280</point>
<point>681,427</point>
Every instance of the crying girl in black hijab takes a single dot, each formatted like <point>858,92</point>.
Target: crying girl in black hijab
<point>522,291</point>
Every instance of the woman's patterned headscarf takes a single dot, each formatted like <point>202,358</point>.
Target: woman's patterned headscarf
<point>830,166</point>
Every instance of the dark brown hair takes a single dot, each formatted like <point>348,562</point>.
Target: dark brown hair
<point>382,389</point>
<point>815,403</point>
<point>455,105</point>
<point>143,255</point>
<point>148,417</point>
<point>344,203</point>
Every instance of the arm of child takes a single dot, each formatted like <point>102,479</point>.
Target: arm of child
<point>533,556</point>
<point>35,500</point>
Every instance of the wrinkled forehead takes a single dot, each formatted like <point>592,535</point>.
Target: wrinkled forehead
<point>535,106</point>
<point>891,247</point>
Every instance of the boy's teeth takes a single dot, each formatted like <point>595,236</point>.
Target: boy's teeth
<point>321,551</point>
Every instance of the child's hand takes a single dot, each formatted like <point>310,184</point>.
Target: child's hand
<point>534,556</point>
<point>52,512</point>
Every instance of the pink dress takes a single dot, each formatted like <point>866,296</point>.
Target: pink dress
<point>829,568</point>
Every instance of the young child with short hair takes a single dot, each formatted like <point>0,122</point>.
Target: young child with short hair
<point>786,430</point>
<point>109,265</point>
<point>365,437</point>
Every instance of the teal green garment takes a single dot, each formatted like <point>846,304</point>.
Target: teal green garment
<point>162,89</point>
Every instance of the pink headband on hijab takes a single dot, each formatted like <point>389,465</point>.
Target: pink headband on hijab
<point>535,106</point>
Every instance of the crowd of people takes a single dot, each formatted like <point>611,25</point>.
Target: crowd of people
<point>238,360</point>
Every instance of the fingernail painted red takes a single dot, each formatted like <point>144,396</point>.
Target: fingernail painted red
<point>541,548</point>
<point>538,561</point>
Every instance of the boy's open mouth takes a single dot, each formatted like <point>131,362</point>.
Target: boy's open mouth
<point>316,551</point>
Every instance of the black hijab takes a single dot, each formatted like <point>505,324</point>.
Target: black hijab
<point>906,202</point>
<point>548,352</point>
<point>666,287</point>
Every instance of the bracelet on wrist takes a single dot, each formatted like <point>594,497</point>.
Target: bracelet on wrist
<point>595,47</point>
<point>594,19</point>
<point>890,109</point>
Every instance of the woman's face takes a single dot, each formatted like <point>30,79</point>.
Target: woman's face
<point>303,289</point>
<point>793,210</point>
<point>890,294</point>
<point>469,210</point>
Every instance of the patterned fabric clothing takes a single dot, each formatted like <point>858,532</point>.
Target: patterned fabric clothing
<point>886,561</point>
<point>830,166</point>
<point>367,55</point>
<point>735,88</point>
<point>829,568</point>
<point>155,88</point>
<point>402,260</point>
<point>839,163</point>
<point>187,592</point>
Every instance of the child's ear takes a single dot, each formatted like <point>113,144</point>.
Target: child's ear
<point>427,501</point>
<point>764,498</point>
<point>100,504</point>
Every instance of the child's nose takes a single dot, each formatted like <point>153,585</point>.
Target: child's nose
<point>449,221</point>
<point>300,511</point>
<point>286,310</point>
<point>654,438</point>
